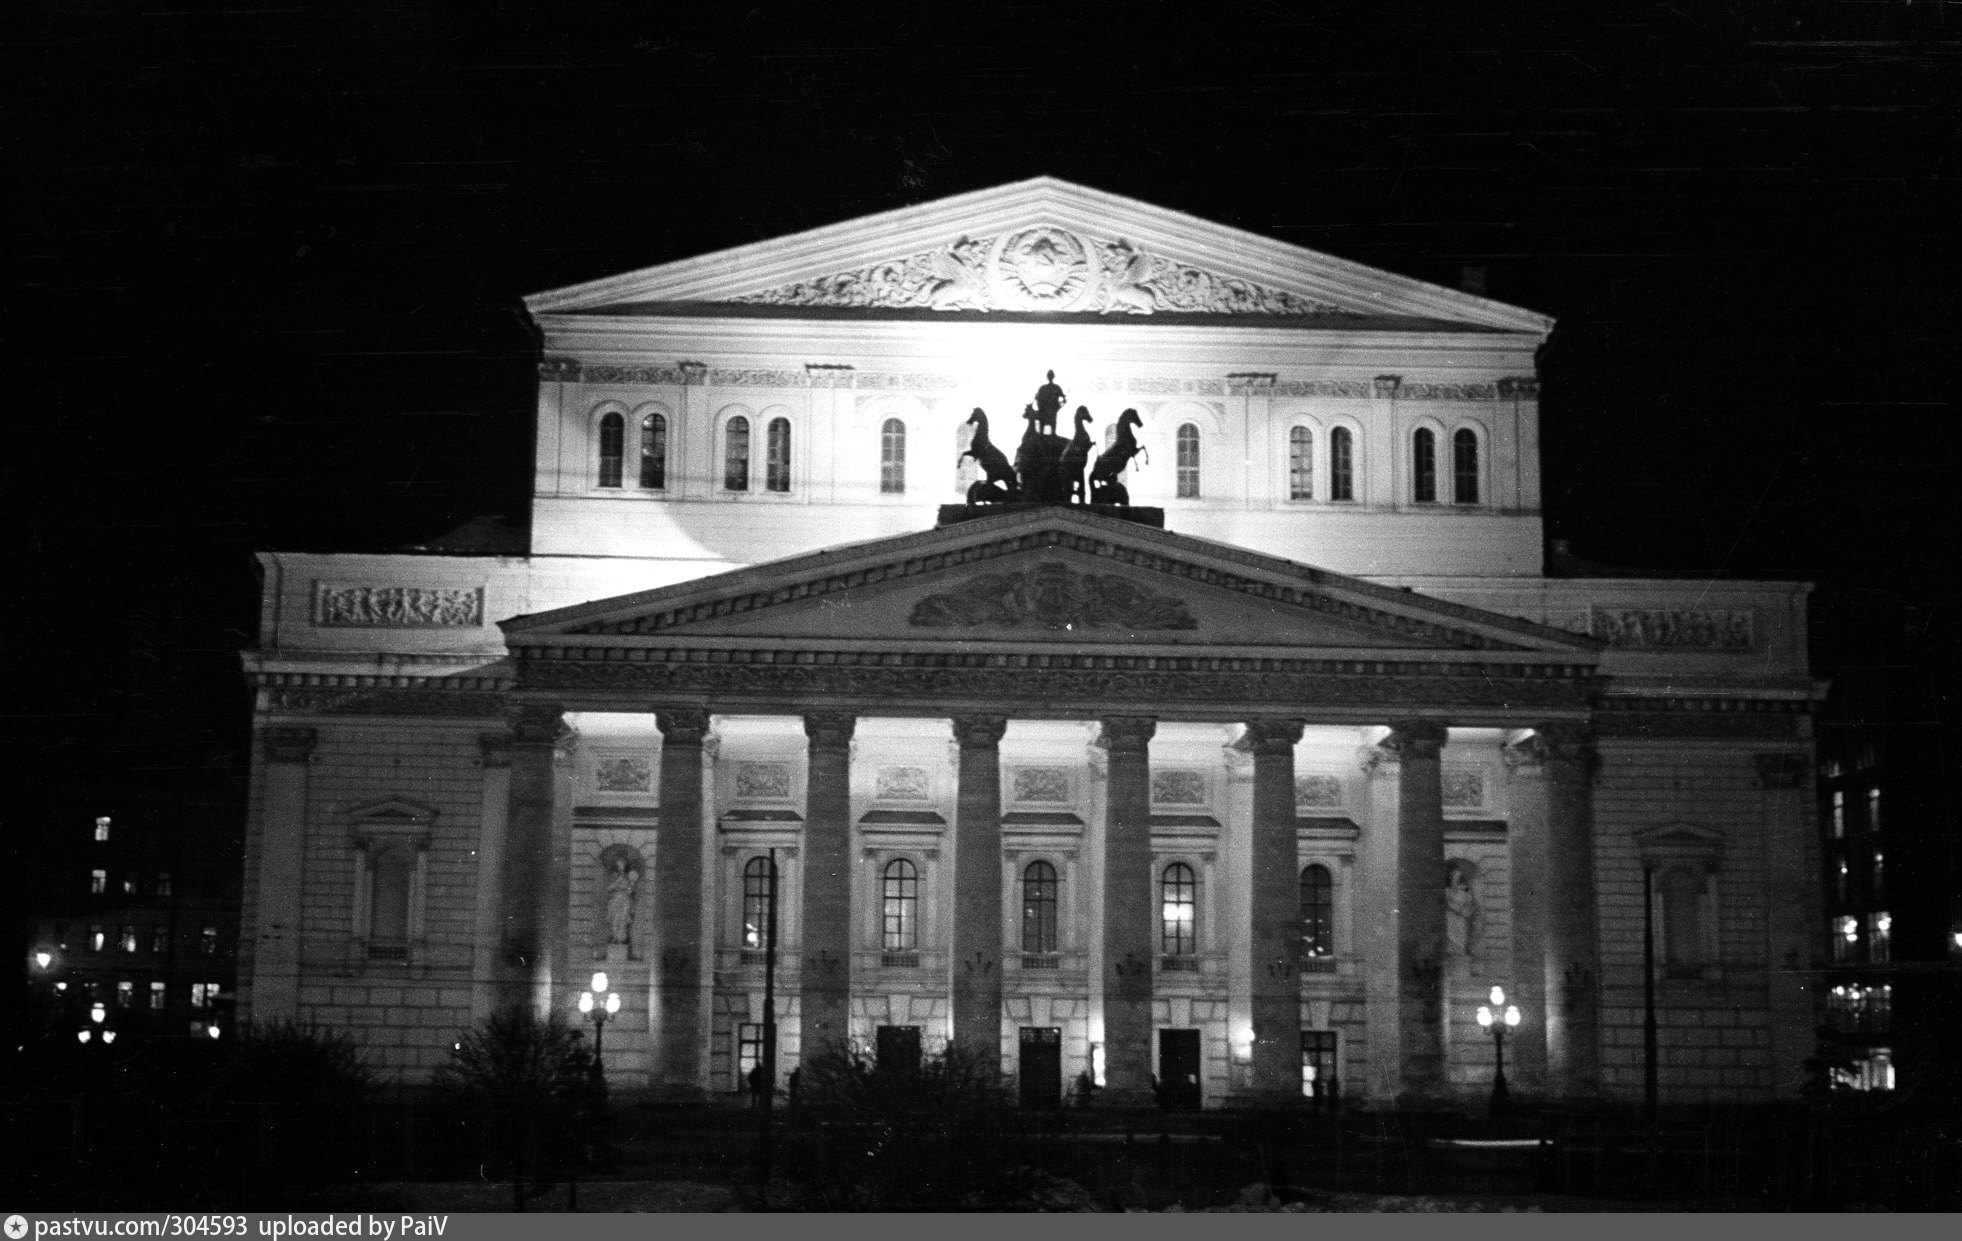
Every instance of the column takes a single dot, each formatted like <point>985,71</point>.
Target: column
<point>825,1014</point>
<point>1526,855</point>
<point>1275,907</point>
<point>485,954</point>
<point>679,892</point>
<point>282,860</point>
<point>1573,1049</point>
<point>1792,911</point>
<point>530,812</point>
<point>1420,906</point>
<point>1130,931</point>
<point>977,887</point>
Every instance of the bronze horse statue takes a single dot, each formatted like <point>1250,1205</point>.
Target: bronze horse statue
<point>993,461</point>
<point>1104,487</point>
<point>1075,456</point>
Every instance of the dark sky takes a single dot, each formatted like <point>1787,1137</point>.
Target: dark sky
<point>267,264</point>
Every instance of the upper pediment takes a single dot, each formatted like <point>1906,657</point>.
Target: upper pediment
<point>1045,247</point>
<point>1058,579</point>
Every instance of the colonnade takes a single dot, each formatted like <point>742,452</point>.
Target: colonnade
<point>1549,838</point>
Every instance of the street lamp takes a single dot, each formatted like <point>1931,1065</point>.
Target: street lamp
<point>599,1004</point>
<point>1498,1017</point>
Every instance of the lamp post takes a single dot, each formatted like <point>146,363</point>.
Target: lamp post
<point>1498,1017</point>
<point>598,1004</point>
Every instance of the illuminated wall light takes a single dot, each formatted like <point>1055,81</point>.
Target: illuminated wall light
<point>84,1035</point>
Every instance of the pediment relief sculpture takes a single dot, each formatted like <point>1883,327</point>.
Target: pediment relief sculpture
<point>1043,268</point>
<point>1053,596</point>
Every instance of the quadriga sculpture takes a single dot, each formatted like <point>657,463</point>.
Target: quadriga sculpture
<point>1104,487</point>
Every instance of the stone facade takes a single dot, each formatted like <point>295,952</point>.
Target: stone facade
<point>1160,799</point>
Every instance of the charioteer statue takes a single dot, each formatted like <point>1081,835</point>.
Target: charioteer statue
<point>1047,468</point>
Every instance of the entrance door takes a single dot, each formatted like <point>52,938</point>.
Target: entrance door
<point>899,1049</point>
<point>1041,1075</point>
<point>1178,1068</point>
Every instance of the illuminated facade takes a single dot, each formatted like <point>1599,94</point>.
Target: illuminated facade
<point>1270,792</point>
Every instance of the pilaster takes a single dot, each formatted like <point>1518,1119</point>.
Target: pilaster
<point>1792,911</point>
<point>282,864</point>
<point>485,947</point>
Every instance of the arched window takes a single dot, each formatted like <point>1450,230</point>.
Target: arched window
<point>388,910</point>
<point>900,906</point>
<point>1341,464</point>
<point>1039,907</point>
<point>1188,454</point>
<point>1178,918</point>
<point>776,475</point>
<point>654,452</point>
<point>613,430</point>
<point>892,458</point>
<point>759,893</point>
<point>1423,466</point>
<point>735,456</point>
<point>1317,912</point>
<point>1301,464</point>
<point>1464,466</point>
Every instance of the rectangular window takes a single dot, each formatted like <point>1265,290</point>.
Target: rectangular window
<point>1873,810</point>
<point>125,994</point>
<point>1874,1071</point>
<point>654,452</point>
<point>159,939</point>
<point>157,992</point>
<point>1839,813</point>
<point>98,938</point>
<point>208,941</point>
<point>735,455</point>
<point>1188,462</point>
<point>1301,464</point>
<point>203,994</point>
<point>1846,939</point>
<point>129,884</point>
<point>129,939</point>
<point>98,882</point>
<point>892,458</point>
<point>1317,1063</point>
<point>102,828</point>
<point>1880,938</point>
<point>163,883</point>
<point>749,1051</point>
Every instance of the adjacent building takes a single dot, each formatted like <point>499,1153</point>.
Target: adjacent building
<point>1253,785</point>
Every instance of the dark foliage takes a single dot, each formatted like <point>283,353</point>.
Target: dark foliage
<point>526,1091</point>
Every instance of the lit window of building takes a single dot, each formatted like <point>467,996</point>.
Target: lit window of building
<point>1839,813</point>
<point>759,890</point>
<point>1846,938</point>
<point>1039,888</point>
<point>208,941</point>
<point>98,938</point>
<point>1178,920</point>
<point>1873,810</point>
<point>163,883</point>
<point>901,906</point>
<point>125,994</point>
<point>1873,1071</point>
<point>203,993</point>
<point>1317,1063</point>
<point>129,939</point>
<point>1853,1008</point>
<point>1880,936</point>
<point>98,882</point>
<point>157,994</point>
<point>159,939</point>
<point>102,828</point>
<point>129,884</point>
<point>749,1051</point>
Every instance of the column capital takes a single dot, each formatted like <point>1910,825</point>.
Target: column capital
<point>1127,733</point>
<point>538,723</point>
<point>496,747</point>
<point>1783,769</point>
<point>290,745</point>
<point>682,726</point>
<point>979,731</point>
<point>1269,736</point>
<point>1414,739</point>
<point>830,730</point>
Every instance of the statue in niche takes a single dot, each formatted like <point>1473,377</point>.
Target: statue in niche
<point>1461,912</point>
<point>622,881</point>
<point>1104,487</point>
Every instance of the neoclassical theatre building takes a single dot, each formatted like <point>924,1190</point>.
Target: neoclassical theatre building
<point>1255,785</point>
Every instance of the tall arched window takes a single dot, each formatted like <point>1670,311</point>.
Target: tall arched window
<point>654,452</point>
<point>735,455</point>
<point>1179,914</point>
<point>1301,464</point>
<point>892,458</point>
<point>1464,466</point>
<point>1039,907</point>
<point>776,475</point>
<point>1423,466</point>
<point>900,906</point>
<point>1317,912</point>
<point>1188,454</point>
<point>759,893</point>
<point>1341,464</point>
<point>613,430</point>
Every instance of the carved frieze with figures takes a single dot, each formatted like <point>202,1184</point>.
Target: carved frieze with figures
<point>1674,628</point>
<point>1053,596</point>
<point>337,606</point>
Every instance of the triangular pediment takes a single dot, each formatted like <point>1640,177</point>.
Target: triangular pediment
<point>1044,247</point>
<point>1052,579</point>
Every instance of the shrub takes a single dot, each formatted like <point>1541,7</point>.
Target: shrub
<point>529,1084</point>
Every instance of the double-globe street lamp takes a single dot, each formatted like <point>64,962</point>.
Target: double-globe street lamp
<point>598,1004</point>
<point>1498,1017</point>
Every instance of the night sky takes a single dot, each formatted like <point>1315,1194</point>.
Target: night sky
<point>267,263</point>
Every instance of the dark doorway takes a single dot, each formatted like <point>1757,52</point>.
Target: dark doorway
<point>899,1049</point>
<point>1178,1068</point>
<point>1041,1074</point>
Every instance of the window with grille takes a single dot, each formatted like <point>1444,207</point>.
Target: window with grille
<point>157,995</point>
<point>612,435</point>
<point>98,882</point>
<point>129,939</point>
<point>749,1051</point>
<point>759,893</point>
<point>1464,466</point>
<point>1178,917</point>
<point>1188,462</point>
<point>735,455</point>
<point>1423,466</point>
<point>776,475</point>
<point>1317,1063</point>
<point>1317,913</point>
<point>654,452</point>
<point>1301,464</point>
<point>1341,464</point>
<point>1039,891</point>
<point>159,939</point>
<point>892,458</point>
<point>102,828</point>
<point>126,994</point>
<point>900,906</point>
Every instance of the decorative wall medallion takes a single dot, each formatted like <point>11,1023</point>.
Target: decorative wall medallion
<point>904,784</point>
<point>623,773</point>
<point>397,607</point>
<point>1464,787</point>
<point>1042,784</point>
<point>1043,269</point>
<point>763,781</point>
<point>1176,787</point>
<point>1674,628</point>
<point>1053,596</point>
<point>1317,791</point>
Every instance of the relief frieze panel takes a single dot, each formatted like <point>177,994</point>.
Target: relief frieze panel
<point>903,784</point>
<point>337,606</point>
<point>1177,787</point>
<point>1317,792</point>
<point>1041,785</point>
<point>1709,629</point>
<point>1053,596</point>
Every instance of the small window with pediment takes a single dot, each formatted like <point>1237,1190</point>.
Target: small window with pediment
<point>391,841</point>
